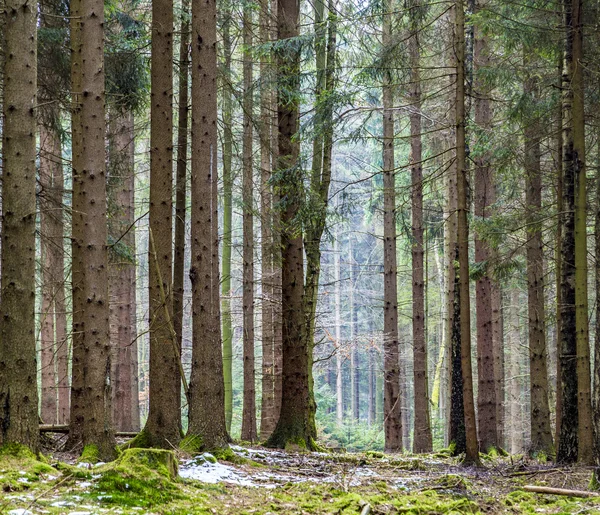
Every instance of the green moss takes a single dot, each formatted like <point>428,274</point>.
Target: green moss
<point>20,468</point>
<point>191,444</point>
<point>374,454</point>
<point>227,454</point>
<point>90,454</point>
<point>139,477</point>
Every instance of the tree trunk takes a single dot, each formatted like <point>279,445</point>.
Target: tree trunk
<point>18,368</point>
<point>207,391</point>
<point>354,358</point>
<point>91,412</point>
<point>249,404</point>
<point>227,114</point>
<point>296,423</point>
<point>422,427</point>
<point>48,398</point>
<point>268,421</point>
<point>391,366</point>
<point>339,378</point>
<point>181,176</point>
<point>575,158</point>
<point>472,450</point>
<point>596,397</point>
<point>484,198</point>
<point>498,342</point>
<point>122,269</point>
<point>514,341</point>
<point>541,434</point>
<point>163,427</point>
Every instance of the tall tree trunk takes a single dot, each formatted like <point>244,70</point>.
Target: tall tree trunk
<point>596,397</point>
<point>472,450</point>
<point>268,421</point>
<point>423,441</point>
<point>558,272</point>
<point>122,269</point>
<point>320,178</point>
<point>48,397</point>
<point>354,358</point>
<point>484,198</point>
<point>227,217</point>
<point>249,404</point>
<point>207,391</point>
<point>514,340</point>
<point>163,427</point>
<point>576,437</point>
<point>498,342</point>
<point>57,249</point>
<point>181,175</point>
<point>91,416</point>
<point>296,423</point>
<point>541,434</point>
<point>339,378</point>
<point>18,368</point>
<point>391,366</point>
<point>575,158</point>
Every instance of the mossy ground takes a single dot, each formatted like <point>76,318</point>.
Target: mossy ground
<point>145,481</point>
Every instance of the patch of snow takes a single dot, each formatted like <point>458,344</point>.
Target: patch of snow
<point>23,480</point>
<point>214,473</point>
<point>61,504</point>
<point>84,484</point>
<point>20,511</point>
<point>80,513</point>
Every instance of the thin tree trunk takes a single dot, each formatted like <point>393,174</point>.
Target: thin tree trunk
<point>484,198</point>
<point>48,397</point>
<point>249,432</point>
<point>91,397</point>
<point>422,427</point>
<point>268,421</point>
<point>207,391</point>
<point>575,158</point>
<point>354,363</point>
<point>498,342</point>
<point>181,175</point>
<point>163,427</point>
<point>339,379</point>
<point>472,450</point>
<point>122,269</point>
<point>227,114</point>
<point>541,437</point>
<point>514,337</point>
<point>391,409</point>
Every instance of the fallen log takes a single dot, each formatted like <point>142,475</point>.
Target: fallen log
<point>64,429</point>
<point>559,491</point>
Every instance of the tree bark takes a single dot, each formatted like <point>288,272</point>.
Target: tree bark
<point>227,114</point>
<point>163,427</point>
<point>91,415</point>
<point>391,366</point>
<point>422,427</point>
<point>18,367</point>
<point>484,198</point>
<point>541,434</point>
<point>472,450</point>
<point>207,391</point>
<point>181,175</point>
<point>49,391</point>
<point>296,423</point>
<point>268,420</point>
<point>249,432</point>
<point>122,269</point>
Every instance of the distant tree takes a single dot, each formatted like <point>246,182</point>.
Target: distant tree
<point>249,432</point>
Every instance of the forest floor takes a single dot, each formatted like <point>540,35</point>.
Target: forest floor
<point>254,480</point>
